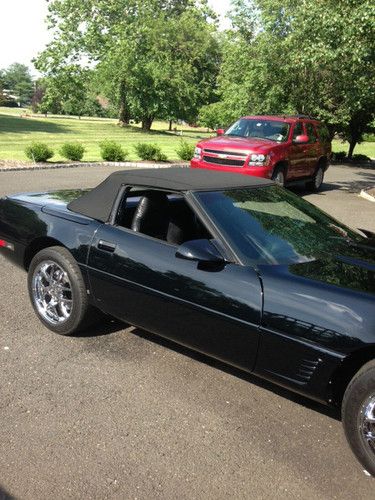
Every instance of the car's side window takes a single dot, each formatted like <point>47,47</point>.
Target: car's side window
<point>310,129</point>
<point>161,215</point>
<point>298,130</point>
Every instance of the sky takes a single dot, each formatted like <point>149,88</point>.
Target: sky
<point>24,33</point>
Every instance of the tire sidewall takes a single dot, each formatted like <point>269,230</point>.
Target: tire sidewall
<point>277,171</point>
<point>66,261</point>
<point>360,389</point>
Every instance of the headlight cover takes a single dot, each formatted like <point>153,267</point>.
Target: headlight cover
<point>258,160</point>
<point>197,152</point>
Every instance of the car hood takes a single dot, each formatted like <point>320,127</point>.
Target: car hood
<point>353,269</point>
<point>240,144</point>
<point>329,301</point>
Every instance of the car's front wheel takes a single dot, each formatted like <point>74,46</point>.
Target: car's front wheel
<point>279,176</point>
<point>358,415</point>
<point>58,293</point>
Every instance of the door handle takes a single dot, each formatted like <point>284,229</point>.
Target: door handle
<point>107,246</point>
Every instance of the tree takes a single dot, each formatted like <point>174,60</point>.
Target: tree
<point>310,57</point>
<point>67,90</point>
<point>152,58</point>
<point>18,80</point>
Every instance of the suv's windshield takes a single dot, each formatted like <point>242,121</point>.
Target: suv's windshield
<point>270,225</point>
<point>272,130</point>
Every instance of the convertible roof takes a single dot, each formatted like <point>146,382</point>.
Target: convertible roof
<point>98,202</point>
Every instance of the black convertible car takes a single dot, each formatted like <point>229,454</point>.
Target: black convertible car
<point>232,266</point>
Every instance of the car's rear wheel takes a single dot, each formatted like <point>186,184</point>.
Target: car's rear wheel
<point>358,416</point>
<point>58,293</point>
<point>316,183</point>
<point>279,176</point>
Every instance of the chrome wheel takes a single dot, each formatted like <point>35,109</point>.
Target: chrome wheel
<point>367,424</point>
<point>318,178</point>
<point>52,292</point>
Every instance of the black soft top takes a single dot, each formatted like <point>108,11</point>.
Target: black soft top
<point>98,202</point>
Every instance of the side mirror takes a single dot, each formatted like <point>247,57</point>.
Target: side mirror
<point>220,131</point>
<point>200,251</point>
<point>301,139</point>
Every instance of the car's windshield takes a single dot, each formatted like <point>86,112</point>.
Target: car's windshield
<point>272,130</point>
<point>271,225</point>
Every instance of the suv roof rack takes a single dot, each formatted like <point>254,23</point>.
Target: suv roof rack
<point>285,115</point>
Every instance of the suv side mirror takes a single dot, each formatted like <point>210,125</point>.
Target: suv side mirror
<point>301,139</point>
<point>220,131</point>
<point>200,251</point>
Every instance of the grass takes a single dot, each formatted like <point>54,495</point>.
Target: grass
<point>365,148</point>
<point>17,132</point>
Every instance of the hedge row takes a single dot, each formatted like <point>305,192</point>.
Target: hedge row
<point>109,151</point>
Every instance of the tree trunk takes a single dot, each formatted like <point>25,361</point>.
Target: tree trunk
<point>352,144</point>
<point>147,122</point>
<point>124,116</point>
<point>170,125</point>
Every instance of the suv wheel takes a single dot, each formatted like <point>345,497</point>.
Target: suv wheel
<point>279,176</point>
<point>316,183</point>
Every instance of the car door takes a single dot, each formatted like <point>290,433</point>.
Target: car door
<point>140,280</point>
<point>297,154</point>
<point>312,149</point>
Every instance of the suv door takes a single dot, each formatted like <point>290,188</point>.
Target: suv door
<point>140,280</point>
<point>312,149</point>
<point>297,154</point>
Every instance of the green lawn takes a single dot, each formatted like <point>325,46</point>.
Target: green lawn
<point>365,148</point>
<point>17,132</point>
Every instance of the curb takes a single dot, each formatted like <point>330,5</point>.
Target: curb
<point>91,164</point>
<point>367,196</point>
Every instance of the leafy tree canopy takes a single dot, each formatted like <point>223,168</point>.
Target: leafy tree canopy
<point>310,57</point>
<point>153,58</point>
<point>18,80</point>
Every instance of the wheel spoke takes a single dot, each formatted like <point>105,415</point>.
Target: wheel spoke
<point>52,292</point>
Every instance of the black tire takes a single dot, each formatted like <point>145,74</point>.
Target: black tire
<point>316,183</point>
<point>279,176</point>
<point>358,408</point>
<point>72,312</point>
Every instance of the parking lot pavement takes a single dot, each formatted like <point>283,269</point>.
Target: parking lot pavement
<point>119,413</point>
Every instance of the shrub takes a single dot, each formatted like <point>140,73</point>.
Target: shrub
<point>72,151</point>
<point>112,151</point>
<point>339,156</point>
<point>360,157</point>
<point>185,151</point>
<point>150,152</point>
<point>38,151</point>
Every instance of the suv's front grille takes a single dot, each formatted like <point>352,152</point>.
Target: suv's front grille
<point>220,152</point>
<point>223,161</point>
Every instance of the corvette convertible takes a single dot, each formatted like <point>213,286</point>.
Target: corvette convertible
<point>232,266</point>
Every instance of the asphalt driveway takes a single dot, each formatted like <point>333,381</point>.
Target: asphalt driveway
<point>119,413</point>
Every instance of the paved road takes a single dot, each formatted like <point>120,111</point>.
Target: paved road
<point>122,414</point>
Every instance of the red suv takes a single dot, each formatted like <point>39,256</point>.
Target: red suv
<point>287,149</point>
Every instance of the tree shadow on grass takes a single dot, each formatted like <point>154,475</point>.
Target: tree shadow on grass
<point>18,125</point>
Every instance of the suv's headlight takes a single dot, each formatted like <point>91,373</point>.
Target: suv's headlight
<point>258,160</point>
<point>197,152</point>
